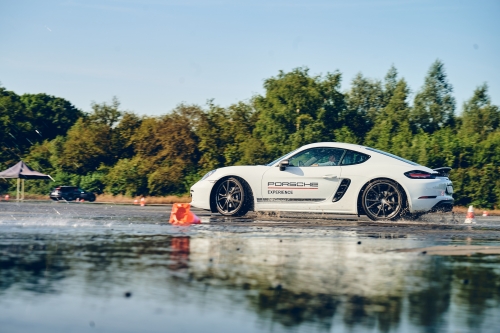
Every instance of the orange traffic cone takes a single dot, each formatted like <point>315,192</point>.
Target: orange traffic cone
<point>136,202</point>
<point>82,200</point>
<point>143,202</point>
<point>485,213</point>
<point>181,215</point>
<point>7,197</point>
<point>470,218</point>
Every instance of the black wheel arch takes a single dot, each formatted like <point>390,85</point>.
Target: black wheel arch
<point>248,188</point>
<point>361,211</point>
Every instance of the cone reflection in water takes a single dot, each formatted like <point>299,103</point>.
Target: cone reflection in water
<point>470,218</point>
<point>181,215</point>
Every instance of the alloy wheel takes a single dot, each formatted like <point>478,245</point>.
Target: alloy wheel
<point>383,200</point>
<point>229,197</point>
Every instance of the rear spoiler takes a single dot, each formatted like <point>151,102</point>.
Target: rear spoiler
<point>443,171</point>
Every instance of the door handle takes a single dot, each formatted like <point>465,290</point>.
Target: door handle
<point>329,176</point>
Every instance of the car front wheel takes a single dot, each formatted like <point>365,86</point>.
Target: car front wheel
<point>230,197</point>
<point>383,200</point>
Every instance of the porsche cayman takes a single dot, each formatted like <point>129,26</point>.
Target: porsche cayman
<point>328,177</point>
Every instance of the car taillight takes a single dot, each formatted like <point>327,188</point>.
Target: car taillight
<point>417,174</point>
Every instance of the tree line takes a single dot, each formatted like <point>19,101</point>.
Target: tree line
<point>108,150</point>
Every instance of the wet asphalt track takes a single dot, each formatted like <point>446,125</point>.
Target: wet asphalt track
<point>444,225</point>
<point>80,267</point>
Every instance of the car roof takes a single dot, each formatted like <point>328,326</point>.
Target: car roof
<point>359,148</point>
<point>335,144</point>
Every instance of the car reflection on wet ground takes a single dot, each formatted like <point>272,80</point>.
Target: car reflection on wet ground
<point>110,268</point>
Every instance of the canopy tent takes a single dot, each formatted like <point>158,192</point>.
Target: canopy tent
<point>22,171</point>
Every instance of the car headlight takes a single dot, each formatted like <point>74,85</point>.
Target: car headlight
<point>208,174</point>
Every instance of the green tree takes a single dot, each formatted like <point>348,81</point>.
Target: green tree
<point>390,118</point>
<point>241,118</point>
<point>479,116</point>
<point>15,127</point>
<point>123,133</point>
<point>297,109</point>
<point>106,114</point>
<point>128,177</point>
<point>214,135</point>
<point>168,148</point>
<point>434,106</point>
<point>93,140</point>
<point>364,102</point>
<point>50,116</point>
<point>88,145</point>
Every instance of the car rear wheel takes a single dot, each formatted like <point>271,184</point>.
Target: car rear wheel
<point>383,200</point>
<point>231,197</point>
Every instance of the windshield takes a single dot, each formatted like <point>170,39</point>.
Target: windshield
<point>282,157</point>
<point>393,156</point>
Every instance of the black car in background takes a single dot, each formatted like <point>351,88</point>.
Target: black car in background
<point>70,193</point>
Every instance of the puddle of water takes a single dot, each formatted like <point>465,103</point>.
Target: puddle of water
<point>119,270</point>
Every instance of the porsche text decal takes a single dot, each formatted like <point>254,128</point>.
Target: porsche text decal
<point>288,187</point>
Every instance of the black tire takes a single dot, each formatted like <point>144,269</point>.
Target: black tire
<point>92,198</point>
<point>383,200</point>
<point>231,197</point>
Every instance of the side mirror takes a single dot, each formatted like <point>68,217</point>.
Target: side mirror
<point>283,164</point>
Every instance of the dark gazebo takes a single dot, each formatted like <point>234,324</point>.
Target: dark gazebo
<point>22,171</point>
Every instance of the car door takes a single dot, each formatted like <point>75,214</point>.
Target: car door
<point>311,177</point>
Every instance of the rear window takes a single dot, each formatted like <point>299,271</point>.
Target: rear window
<point>393,156</point>
<point>354,157</point>
<point>67,189</point>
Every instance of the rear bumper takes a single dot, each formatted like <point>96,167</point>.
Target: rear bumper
<point>429,195</point>
<point>443,206</point>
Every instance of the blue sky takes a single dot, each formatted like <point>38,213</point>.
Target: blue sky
<point>153,55</point>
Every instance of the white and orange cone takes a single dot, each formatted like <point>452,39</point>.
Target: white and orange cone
<point>7,197</point>
<point>470,218</point>
<point>485,213</point>
<point>143,202</point>
<point>136,202</point>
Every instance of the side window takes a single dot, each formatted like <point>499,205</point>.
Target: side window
<point>317,157</point>
<point>353,157</point>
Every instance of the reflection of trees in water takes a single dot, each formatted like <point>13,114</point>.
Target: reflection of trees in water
<point>287,286</point>
<point>292,309</point>
<point>383,312</point>
<point>476,289</point>
<point>32,267</point>
<point>428,305</point>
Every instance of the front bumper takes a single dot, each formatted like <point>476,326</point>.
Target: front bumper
<point>200,194</point>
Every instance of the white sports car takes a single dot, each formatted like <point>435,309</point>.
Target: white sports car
<point>329,177</point>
